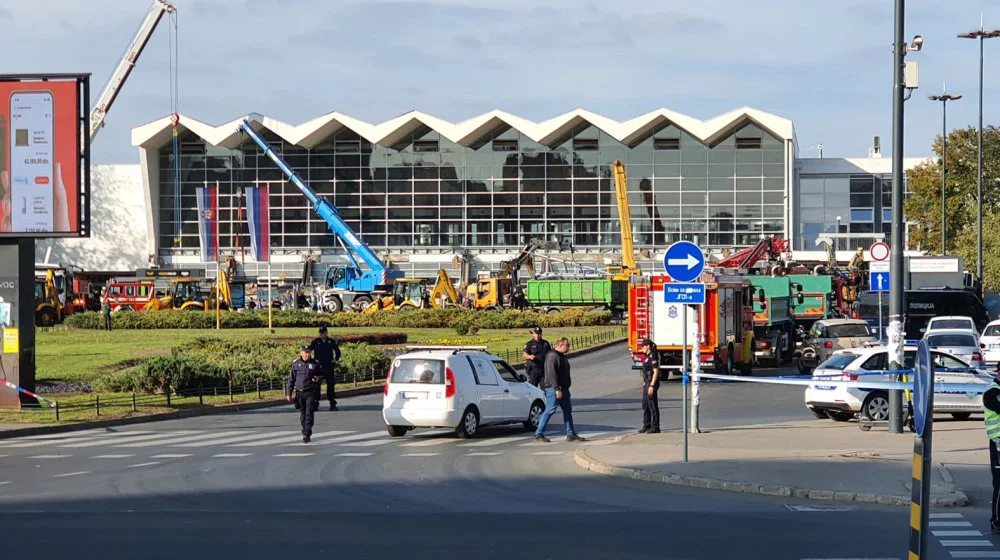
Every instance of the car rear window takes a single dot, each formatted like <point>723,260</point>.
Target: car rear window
<point>409,370</point>
<point>992,330</point>
<point>838,361</point>
<point>951,324</point>
<point>848,331</point>
<point>936,340</point>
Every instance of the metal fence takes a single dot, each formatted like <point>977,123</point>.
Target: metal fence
<point>576,342</point>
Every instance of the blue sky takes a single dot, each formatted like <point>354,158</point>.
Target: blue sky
<point>826,65</point>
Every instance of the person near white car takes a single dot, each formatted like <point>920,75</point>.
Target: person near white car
<point>556,384</point>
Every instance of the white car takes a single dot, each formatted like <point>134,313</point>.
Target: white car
<point>989,343</point>
<point>951,322</point>
<point>843,403</point>
<point>960,343</point>
<point>457,388</point>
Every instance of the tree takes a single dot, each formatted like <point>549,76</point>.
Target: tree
<point>924,181</point>
<point>964,244</point>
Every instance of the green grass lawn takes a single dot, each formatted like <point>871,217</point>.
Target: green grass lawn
<point>72,356</point>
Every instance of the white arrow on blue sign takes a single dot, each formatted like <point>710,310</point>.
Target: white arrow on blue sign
<point>878,281</point>
<point>684,261</point>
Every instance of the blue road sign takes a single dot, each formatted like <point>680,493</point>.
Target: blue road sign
<point>684,261</point>
<point>879,281</point>
<point>923,387</point>
<point>690,294</point>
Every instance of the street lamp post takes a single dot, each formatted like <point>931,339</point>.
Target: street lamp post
<point>981,34</point>
<point>944,98</point>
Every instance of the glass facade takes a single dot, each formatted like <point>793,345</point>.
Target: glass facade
<point>843,203</point>
<point>428,193</point>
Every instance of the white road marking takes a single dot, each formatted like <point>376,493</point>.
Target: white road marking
<point>495,441</point>
<point>227,441</point>
<point>62,435</point>
<point>429,442</point>
<point>49,456</point>
<point>949,524</point>
<point>354,454</point>
<point>957,533</point>
<point>419,454</point>
<point>5,482</point>
<point>288,439</point>
<point>64,475</point>
<point>129,439</point>
<point>231,455</point>
<point>975,554</point>
<point>549,452</point>
<point>353,437</point>
<point>484,454</point>
<point>171,456</point>
<point>67,440</point>
<point>149,464</point>
<point>945,516</point>
<point>294,454</point>
<point>182,439</point>
<point>3,456</point>
<point>371,443</point>
<point>968,542</point>
<point>114,456</point>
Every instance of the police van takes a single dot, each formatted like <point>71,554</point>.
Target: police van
<point>921,306</point>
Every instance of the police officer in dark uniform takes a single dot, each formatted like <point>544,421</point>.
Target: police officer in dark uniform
<point>650,388</point>
<point>534,356</point>
<point>327,353</point>
<point>303,387</point>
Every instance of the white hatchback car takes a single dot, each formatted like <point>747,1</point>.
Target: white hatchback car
<point>989,342</point>
<point>951,322</point>
<point>842,403</point>
<point>458,388</point>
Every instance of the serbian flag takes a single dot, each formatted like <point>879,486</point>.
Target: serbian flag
<point>259,222</point>
<point>208,223</point>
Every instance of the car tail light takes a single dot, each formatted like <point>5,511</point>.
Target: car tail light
<point>385,388</point>
<point>762,344</point>
<point>827,344</point>
<point>848,376</point>
<point>449,383</point>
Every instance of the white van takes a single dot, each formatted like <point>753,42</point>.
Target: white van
<point>459,388</point>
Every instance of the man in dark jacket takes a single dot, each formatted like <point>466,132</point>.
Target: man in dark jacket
<point>304,383</point>
<point>556,383</point>
<point>650,387</point>
<point>327,353</point>
<point>534,356</point>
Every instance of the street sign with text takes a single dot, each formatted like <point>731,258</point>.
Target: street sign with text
<point>690,294</point>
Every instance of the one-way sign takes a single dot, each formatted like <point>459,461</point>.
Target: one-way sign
<point>879,281</point>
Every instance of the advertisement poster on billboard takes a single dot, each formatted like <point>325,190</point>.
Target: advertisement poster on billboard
<point>42,188</point>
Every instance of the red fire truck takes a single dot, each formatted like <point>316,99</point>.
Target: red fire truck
<point>722,330</point>
<point>130,294</point>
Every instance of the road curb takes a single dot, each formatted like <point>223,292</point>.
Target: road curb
<point>957,498</point>
<point>174,415</point>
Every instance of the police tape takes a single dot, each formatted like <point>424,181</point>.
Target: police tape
<point>949,388</point>
<point>19,389</point>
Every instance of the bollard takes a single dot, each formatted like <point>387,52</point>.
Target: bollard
<point>168,394</point>
<point>57,411</point>
<point>133,402</point>
<point>230,390</point>
<point>354,376</point>
<point>201,398</point>
<point>258,389</point>
<point>97,403</point>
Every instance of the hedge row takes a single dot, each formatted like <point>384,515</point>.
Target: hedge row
<point>422,318</point>
<point>212,362</point>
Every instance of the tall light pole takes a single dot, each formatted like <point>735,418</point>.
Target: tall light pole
<point>981,34</point>
<point>944,98</point>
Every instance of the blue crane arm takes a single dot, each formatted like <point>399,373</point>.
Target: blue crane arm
<point>325,210</point>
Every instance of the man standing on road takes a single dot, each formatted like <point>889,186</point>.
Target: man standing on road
<point>534,356</point>
<point>991,412</point>
<point>650,388</point>
<point>304,384</point>
<point>106,309</point>
<point>556,383</point>
<point>327,354</point>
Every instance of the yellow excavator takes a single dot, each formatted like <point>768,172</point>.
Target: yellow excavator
<point>628,266</point>
<point>412,293</point>
<point>189,294</point>
<point>48,308</point>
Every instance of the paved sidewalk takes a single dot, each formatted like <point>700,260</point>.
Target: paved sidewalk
<point>820,460</point>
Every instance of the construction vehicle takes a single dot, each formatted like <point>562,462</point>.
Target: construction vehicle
<point>343,285</point>
<point>554,295</point>
<point>413,293</point>
<point>721,334</point>
<point>503,289</point>
<point>48,309</point>
<point>114,85</point>
<point>194,294</point>
<point>815,300</point>
<point>773,318</point>
<point>769,249</point>
<point>628,266</point>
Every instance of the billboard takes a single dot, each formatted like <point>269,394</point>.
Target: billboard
<point>44,156</point>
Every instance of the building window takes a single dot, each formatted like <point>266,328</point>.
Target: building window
<point>423,146</point>
<point>748,143</point>
<point>505,145</point>
<point>585,144</point>
<point>666,143</point>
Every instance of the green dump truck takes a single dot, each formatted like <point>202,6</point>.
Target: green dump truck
<point>773,320</point>
<point>553,295</point>
<point>817,294</point>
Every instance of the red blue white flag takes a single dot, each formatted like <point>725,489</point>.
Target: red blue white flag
<point>259,222</point>
<point>208,223</point>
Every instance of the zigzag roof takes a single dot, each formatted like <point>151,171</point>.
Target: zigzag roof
<point>310,133</point>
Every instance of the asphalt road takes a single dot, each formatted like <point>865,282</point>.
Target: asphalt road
<point>241,486</point>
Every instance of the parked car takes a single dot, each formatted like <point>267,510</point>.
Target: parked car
<point>459,388</point>
<point>843,403</point>
<point>952,322</point>
<point>957,342</point>
<point>989,343</point>
<point>829,336</point>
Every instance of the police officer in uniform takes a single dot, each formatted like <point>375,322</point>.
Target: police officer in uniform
<point>650,388</point>
<point>991,412</point>
<point>303,387</point>
<point>534,356</point>
<point>327,353</point>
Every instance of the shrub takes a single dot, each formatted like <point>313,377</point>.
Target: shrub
<point>362,360</point>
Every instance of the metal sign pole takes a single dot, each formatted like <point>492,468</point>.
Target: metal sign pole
<point>881,331</point>
<point>684,374</point>
<point>695,376</point>
<point>270,294</point>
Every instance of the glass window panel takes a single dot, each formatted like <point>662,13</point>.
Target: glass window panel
<point>862,185</point>
<point>666,170</point>
<point>721,170</point>
<point>697,170</point>
<point>425,186</point>
<point>694,198</point>
<point>720,197</point>
<point>585,199</point>
<point>585,185</point>
<point>772,184</point>
<point>862,200</point>
<point>862,215</point>
<point>448,212</point>
<point>479,199</point>
<point>559,199</point>
<point>748,185</point>
<point>425,200</point>
<point>775,197</point>
<point>688,185</point>
<point>751,197</point>
<point>862,228</point>
<point>668,198</point>
<point>774,211</point>
<point>666,185</point>
<point>532,185</point>
<point>694,225</point>
<point>774,170</point>
<point>559,211</point>
<point>532,199</point>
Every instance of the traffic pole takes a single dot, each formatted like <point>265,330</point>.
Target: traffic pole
<point>684,374</point>
<point>696,378</point>
<point>270,294</point>
<point>895,332</point>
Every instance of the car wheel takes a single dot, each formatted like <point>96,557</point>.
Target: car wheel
<point>336,305</point>
<point>961,415</point>
<point>840,415</point>
<point>876,407</point>
<point>534,415</point>
<point>46,317</point>
<point>821,414</point>
<point>397,431</point>
<point>803,369</point>
<point>469,425</point>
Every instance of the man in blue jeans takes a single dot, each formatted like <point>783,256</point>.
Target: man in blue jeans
<point>556,383</point>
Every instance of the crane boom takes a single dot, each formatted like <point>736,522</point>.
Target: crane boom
<point>126,64</point>
<point>624,218</point>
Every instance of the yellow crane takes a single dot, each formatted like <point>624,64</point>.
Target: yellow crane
<point>628,267</point>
